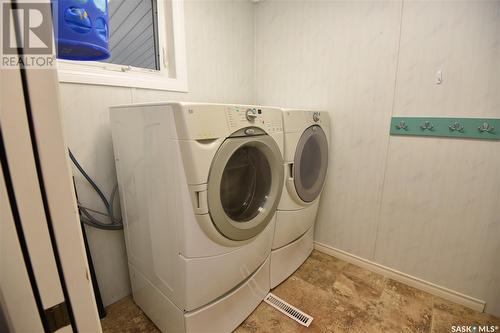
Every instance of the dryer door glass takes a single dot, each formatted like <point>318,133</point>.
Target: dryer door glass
<point>244,185</point>
<point>310,163</point>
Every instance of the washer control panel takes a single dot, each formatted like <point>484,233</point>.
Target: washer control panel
<point>269,119</point>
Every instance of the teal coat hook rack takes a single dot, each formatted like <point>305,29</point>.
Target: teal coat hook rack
<point>471,128</point>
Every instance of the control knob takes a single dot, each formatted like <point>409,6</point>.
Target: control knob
<point>316,116</point>
<point>251,115</point>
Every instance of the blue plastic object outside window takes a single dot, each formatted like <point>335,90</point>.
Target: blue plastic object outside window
<point>81,29</point>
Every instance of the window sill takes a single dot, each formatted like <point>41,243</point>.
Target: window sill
<point>94,73</point>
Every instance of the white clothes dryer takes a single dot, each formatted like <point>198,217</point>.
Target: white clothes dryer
<point>305,165</point>
<point>199,187</point>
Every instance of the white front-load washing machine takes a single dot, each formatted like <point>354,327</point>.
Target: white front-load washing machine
<point>305,165</point>
<point>199,186</point>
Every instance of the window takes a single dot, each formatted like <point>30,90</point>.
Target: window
<point>146,41</point>
<point>133,37</point>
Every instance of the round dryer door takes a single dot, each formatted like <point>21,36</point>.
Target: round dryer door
<point>310,163</point>
<point>244,185</point>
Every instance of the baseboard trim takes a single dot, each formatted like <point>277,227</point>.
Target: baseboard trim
<point>412,281</point>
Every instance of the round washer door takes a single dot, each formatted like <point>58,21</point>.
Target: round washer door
<point>244,185</point>
<point>310,163</point>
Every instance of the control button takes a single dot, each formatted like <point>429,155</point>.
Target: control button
<point>316,116</point>
<point>251,114</point>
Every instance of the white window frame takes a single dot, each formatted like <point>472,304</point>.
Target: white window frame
<point>172,75</point>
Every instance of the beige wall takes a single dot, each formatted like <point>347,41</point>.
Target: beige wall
<point>220,58</point>
<point>427,207</point>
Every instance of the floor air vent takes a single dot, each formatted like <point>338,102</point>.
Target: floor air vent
<point>289,310</point>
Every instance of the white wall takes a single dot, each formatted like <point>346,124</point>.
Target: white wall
<point>220,58</point>
<point>427,207</point>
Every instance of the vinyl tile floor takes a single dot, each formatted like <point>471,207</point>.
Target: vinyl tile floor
<point>342,298</point>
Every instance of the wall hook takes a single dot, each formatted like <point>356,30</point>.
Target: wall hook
<point>402,125</point>
<point>456,127</point>
<point>427,126</point>
<point>485,127</point>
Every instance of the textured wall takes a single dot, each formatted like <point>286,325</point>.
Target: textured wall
<point>220,58</point>
<point>427,207</point>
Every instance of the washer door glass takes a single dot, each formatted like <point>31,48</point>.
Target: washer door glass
<point>310,163</point>
<point>244,185</point>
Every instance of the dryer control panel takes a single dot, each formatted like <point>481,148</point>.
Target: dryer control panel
<point>299,120</point>
<point>269,119</point>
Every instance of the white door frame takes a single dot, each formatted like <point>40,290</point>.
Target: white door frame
<point>38,186</point>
